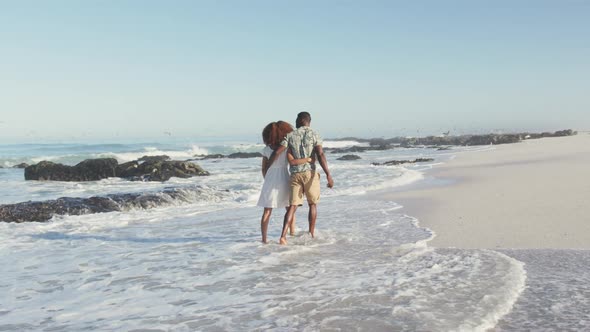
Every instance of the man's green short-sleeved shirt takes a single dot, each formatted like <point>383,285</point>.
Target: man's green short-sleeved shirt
<point>301,142</point>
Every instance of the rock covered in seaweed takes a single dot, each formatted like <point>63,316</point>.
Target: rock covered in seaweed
<point>41,211</point>
<point>87,170</point>
<point>245,155</point>
<point>349,157</point>
<point>157,168</point>
<point>399,162</point>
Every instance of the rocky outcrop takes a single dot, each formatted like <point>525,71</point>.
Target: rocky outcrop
<point>464,140</point>
<point>357,149</point>
<point>445,140</point>
<point>45,210</point>
<point>213,156</point>
<point>154,158</point>
<point>567,132</point>
<point>245,155</point>
<point>157,168</point>
<point>235,155</point>
<point>21,165</point>
<point>399,162</point>
<point>87,170</point>
<point>349,157</point>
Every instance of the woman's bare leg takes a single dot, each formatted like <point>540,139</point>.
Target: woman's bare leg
<point>292,225</point>
<point>264,223</point>
<point>286,222</point>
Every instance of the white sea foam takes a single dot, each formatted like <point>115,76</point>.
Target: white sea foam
<point>197,263</point>
<point>166,270</point>
<point>342,144</point>
<point>71,155</point>
<point>189,153</point>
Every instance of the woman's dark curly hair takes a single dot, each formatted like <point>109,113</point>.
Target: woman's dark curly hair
<point>274,133</point>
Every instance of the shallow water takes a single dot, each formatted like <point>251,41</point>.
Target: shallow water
<point>368,268</point>
<point>557,294</point>
<point>196,263</point>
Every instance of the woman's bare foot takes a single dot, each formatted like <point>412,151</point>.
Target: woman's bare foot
<point>283,241</point>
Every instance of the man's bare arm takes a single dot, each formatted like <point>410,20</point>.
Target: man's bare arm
<point>319,152</point>
<point>293,161</point>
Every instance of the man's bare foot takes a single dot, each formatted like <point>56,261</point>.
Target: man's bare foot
<point>264,242</point>
<point>312,236</point>
<point>283,241</point>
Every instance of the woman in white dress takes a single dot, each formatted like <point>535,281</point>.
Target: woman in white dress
<point>275,189</point>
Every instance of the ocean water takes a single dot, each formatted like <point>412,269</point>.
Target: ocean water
<point>196,263</point>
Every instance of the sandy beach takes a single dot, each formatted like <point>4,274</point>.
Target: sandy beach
<point>534,194</point>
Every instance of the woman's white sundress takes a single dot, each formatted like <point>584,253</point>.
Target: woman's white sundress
<point>275,189</point>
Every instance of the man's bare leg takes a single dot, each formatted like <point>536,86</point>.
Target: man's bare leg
<point>289,216</point>
<point>264,223</point>
<point>311,217</point>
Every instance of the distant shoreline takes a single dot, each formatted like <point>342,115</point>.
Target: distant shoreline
<point>463,140</point>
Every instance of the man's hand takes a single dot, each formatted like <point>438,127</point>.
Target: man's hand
<point>319,153</point>
<point>330,181</point>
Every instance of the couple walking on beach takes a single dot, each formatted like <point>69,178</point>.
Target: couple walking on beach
<point>299,149</point>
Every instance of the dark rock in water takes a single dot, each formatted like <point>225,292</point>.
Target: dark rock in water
<point>214,156</point>
<point>443,148</point>
<point>21,165</point>
<point>245,155</point>
<point>87,170</point>
<point>349,157</point>
<point>159,170</point>
<point>151,169</point>
<point>47,170</point>
<point>45,210</point>
<point>128,169</point>
<point>154,158</point>
<point>96,169</point>
<point>163,171</point>
<point>357,149</point>
<point>423,160</point>
<point>399,162</point>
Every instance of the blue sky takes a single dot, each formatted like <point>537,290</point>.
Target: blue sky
<point>125,69</point>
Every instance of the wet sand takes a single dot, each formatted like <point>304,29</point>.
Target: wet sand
<point>534,194</point>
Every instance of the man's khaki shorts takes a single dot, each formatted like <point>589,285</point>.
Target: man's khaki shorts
<point>307,183</point>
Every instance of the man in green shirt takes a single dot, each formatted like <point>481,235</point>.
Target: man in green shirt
<point>304,142</point>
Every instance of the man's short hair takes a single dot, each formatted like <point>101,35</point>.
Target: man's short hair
<point>305,116</point>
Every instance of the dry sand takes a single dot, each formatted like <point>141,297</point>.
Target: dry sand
<point>534,194</point>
